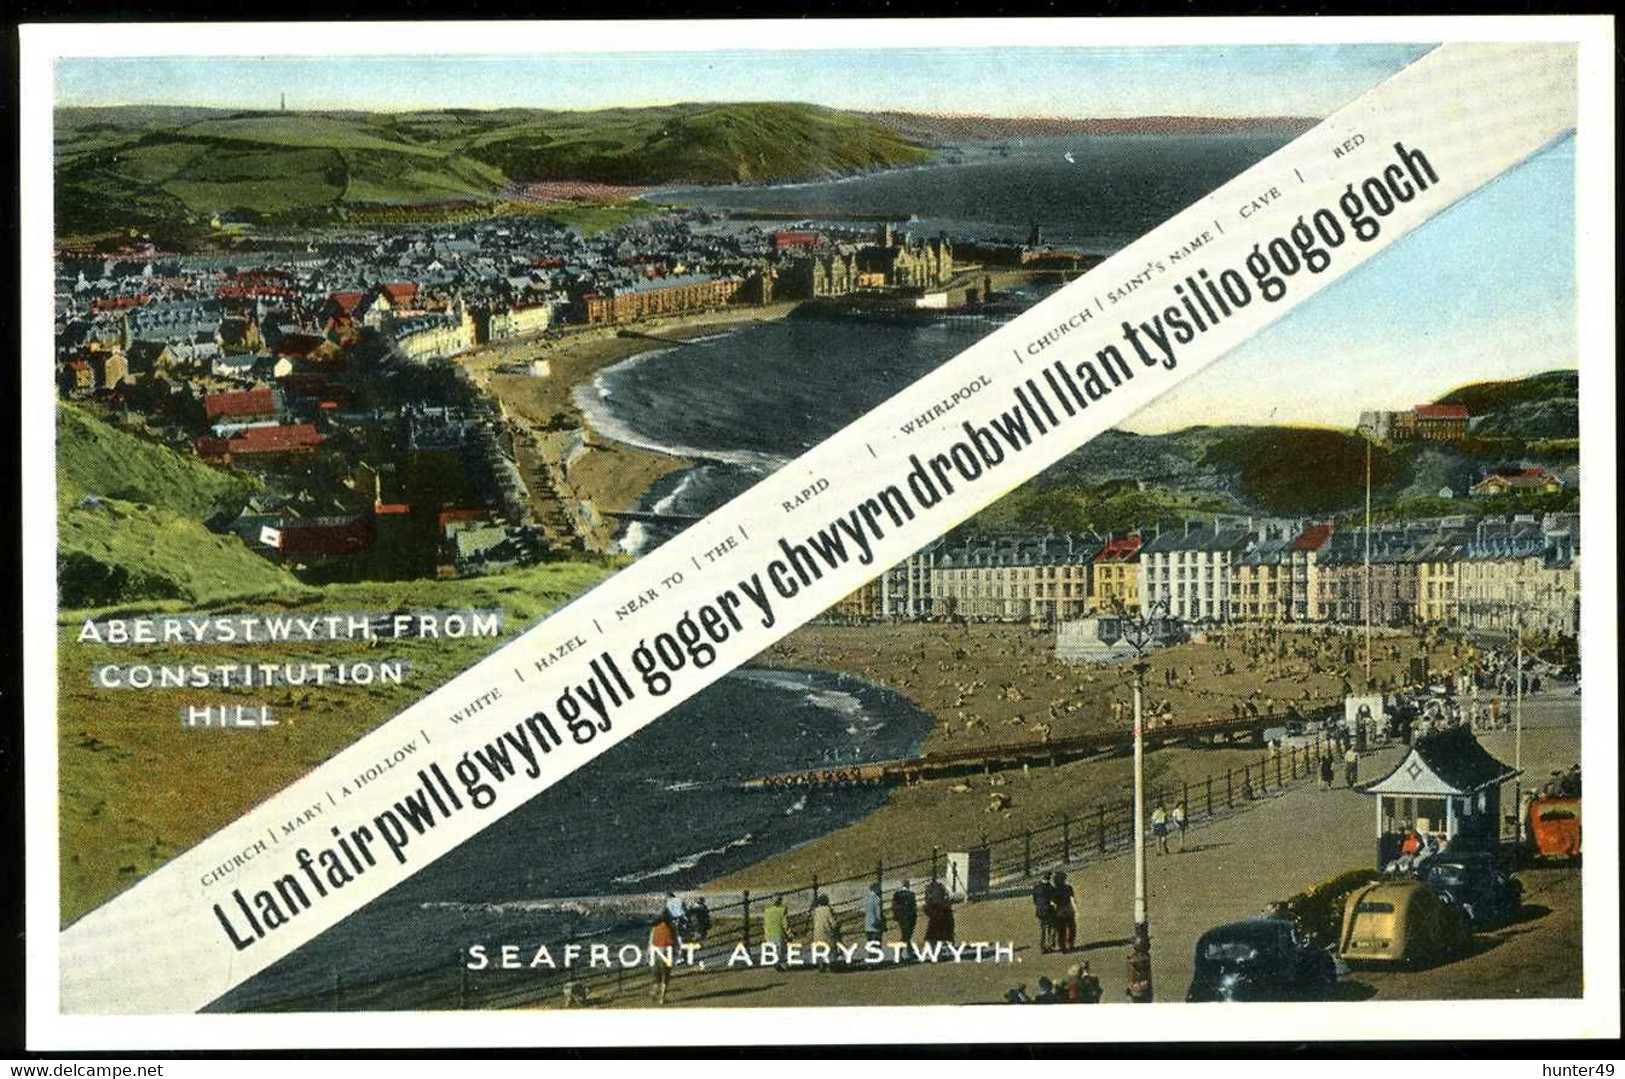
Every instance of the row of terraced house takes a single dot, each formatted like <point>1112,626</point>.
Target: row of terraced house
<point>1492,574</point>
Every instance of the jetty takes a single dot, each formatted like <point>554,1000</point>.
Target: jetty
<point>1113,741</point>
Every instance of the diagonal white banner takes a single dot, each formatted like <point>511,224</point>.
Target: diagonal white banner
<point>597,671</point>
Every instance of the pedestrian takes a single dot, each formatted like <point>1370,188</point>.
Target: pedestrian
<point>1063,912</point>
<point>1351,768</point>
<point>1044,911</point>
<point>1046,993</point>
<point>826,930</point>
<point>699,920</point>
<point>1180,824</point>
<point>1325,771</point>
<point>874,915</point>
<point>662,953</point>
<point>776,929</point>
<point>904,911</point>
<point>1159,828</point>
<point>1081,986</point>
<point>678,911</point>
<point>939,914</point>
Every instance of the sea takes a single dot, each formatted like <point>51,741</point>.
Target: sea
<point>664,811</point>
<point>743,403</point>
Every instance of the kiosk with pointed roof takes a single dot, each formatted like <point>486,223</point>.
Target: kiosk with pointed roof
<point>1447,787</point>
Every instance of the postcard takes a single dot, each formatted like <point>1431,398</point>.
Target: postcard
<point>606,532</point>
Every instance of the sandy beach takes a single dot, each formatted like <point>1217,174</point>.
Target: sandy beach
<point>565,461</point>
<point>989,684</point>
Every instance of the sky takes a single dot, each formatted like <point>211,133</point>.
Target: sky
<point>1006,81</point>
<point>1486,290</point>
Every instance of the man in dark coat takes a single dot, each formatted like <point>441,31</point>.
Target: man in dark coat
<point>904,912</point>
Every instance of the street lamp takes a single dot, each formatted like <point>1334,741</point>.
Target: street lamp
<point>1140,634</point>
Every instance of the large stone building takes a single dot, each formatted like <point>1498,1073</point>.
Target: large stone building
<point>434,336</point>
<point>1014,578</point>
<point>1187,574</point>
<point>517,320</point>
<point>660,296</point>
<point>890,262</point>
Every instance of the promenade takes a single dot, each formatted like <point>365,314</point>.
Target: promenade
<point>1232,868</point>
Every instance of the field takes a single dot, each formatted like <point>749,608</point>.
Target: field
<point>172,170</point>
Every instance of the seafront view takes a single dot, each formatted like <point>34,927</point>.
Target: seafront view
<point>371,359</point>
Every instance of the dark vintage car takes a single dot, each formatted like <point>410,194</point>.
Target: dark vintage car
<point>1261,959</point>
<point>1475,885</point>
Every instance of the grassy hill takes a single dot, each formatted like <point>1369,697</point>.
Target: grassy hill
<point>171,169</point>
<point>1543,406</point>
<point>1122,478</point>
<point>96,458</point>
<point>141,537</point>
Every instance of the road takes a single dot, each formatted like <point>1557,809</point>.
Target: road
<point>1231,869</point>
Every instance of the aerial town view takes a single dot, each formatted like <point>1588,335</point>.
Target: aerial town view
<point>1272,693</point>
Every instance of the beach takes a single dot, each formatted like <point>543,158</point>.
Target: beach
<point>564,460</point>
<point>1001,683</point>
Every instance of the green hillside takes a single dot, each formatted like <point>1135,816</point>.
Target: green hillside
<point>96,458</point>
<point>141,536</point>
<point>1541,407</point>
<point>1293,470</point>
<point>1484,397</point>
<point>172,169</point>
<point>112,552</point>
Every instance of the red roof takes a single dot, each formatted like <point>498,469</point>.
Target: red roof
<point>255,440</point>
<point>346,301</point>
<point>1119,550</point>
<point>240,403</point>
<point>1441,412</point>
<point>317,538</point>
<point>400,292</point>
<point>787,238</point>
<point>1312,538</point>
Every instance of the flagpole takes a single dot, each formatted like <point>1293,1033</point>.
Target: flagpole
<point>1368,566</point>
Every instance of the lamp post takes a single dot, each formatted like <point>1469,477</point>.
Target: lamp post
<point>1140,634</point>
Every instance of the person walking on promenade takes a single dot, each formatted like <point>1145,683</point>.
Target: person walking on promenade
<point>826,930</point>
<point>1180,824</point>
<point>699,920</point>
<point>1351,768</point>
<point>662,953</point>
<point>904,911</point>
<point>939,915</point>
<point>1325,771</point>
<point>776,929</point>
<point>1044,911</point>
<point>678,910</point>
<point>1064,913</point>
<point>1159,828</point>
<point>874,915</point>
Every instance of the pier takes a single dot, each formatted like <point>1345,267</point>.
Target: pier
<point>987,759</point>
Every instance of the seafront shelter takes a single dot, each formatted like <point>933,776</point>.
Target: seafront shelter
<point>1448,788</point>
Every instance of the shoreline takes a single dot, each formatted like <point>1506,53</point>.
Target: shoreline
<point>575,472</point>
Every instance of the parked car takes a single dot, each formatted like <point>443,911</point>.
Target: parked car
<point>1554,827</point>
<point>1261,959</point>
<point>1474,884</point>
<point>1401,921</point>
